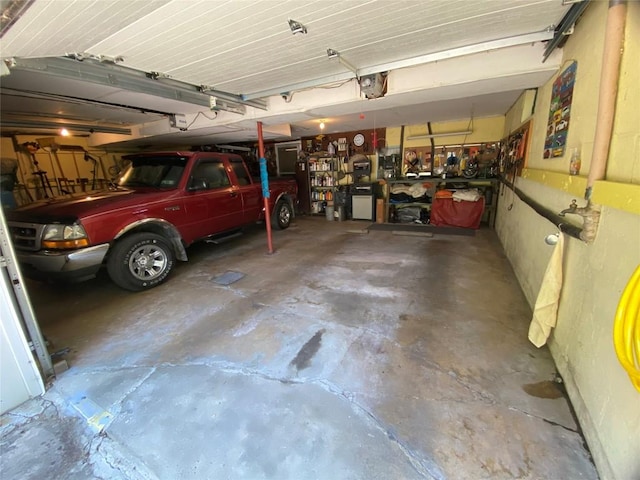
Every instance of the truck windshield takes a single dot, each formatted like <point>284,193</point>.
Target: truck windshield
<point>155,172</point>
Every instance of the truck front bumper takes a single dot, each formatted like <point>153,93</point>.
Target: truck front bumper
<point>69,265</point>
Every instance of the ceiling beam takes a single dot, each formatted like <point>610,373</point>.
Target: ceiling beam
<point>410,62</point>
<point>459,52</point>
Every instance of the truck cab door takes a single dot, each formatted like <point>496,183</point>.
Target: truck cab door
<point>250,191</point>
<point>212,203</point>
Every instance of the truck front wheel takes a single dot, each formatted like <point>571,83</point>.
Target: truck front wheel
<point>283,214</point>
<point>140,261</point>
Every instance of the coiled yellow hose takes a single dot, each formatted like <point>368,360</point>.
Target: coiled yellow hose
<point>626,329</point>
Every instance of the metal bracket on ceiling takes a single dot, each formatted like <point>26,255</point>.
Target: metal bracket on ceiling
<point>157,75</point>
<point>4,68</point>
<point>81,56</point>
<point>296,27</point>
<point>231,98</point>
<point>217,104</point>
<point>108,59</point>
<point>566,26</point>
<point>331,53</point>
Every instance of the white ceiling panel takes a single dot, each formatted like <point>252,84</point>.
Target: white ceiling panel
<point>56,27</point>
<point>245,47</point>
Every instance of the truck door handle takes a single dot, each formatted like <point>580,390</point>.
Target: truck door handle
<point>233,194</point>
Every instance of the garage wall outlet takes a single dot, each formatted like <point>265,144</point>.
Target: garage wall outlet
<point>178,121</point>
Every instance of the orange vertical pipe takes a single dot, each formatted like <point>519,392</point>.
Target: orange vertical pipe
<point>609,77</point>
<point>267,212</point>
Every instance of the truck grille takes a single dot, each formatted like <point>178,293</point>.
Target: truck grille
<point>25,236</point>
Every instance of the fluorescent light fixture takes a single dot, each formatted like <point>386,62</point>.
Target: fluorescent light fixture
<point>297,27</point>
<point>435,135</point>
<point>450,146</point>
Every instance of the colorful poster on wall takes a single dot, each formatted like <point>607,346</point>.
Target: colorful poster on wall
<point>560,112</point>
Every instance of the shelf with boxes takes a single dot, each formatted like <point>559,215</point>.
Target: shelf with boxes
<point>413,200</point>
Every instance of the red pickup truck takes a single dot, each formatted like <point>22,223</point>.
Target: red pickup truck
<point>161,204</point>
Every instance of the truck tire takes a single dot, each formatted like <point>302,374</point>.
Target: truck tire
<point>140,261</point>
<point>283,215</point>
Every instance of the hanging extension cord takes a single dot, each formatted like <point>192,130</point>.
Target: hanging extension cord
<point>626,330</point>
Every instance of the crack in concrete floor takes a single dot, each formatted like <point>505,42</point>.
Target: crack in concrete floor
<point>423,465</point>
<point>396,385</point>
<point>122,463</point>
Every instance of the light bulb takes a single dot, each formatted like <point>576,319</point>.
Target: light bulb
<point>64,132</point>
<point>321,125</point>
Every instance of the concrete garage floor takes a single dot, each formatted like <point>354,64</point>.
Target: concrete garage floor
<point>341,356</point>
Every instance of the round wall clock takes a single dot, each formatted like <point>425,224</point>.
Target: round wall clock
<point>358,139</point>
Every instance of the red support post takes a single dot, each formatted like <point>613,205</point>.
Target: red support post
<point>267,212</point>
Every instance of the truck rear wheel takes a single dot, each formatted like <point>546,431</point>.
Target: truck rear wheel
<point>283,214</point>
<point>140,261</point>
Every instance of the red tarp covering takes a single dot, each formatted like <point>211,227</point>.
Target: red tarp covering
<point>447,212</point>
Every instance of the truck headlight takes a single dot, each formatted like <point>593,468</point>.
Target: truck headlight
<point>64,236</point>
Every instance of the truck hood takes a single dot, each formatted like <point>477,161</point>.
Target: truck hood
<point>73,207</point>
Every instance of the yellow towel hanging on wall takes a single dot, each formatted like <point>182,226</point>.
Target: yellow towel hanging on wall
<point>545,311</point>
